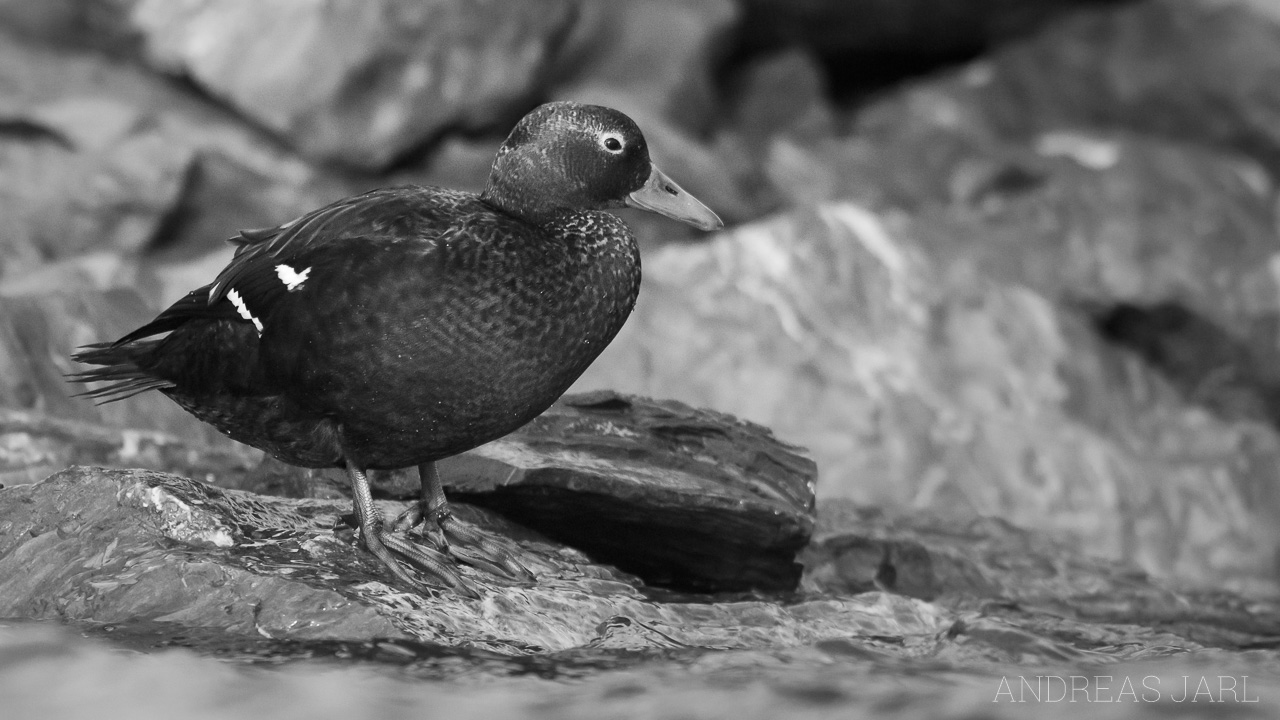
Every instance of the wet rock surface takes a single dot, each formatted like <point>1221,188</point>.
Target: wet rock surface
<point>683,498</point>
<point>108,545</point>
<point>147,561</point>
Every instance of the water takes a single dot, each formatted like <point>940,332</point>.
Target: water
<point>153,670</point>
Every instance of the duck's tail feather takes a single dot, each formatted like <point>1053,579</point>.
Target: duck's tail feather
<point>119,367</point>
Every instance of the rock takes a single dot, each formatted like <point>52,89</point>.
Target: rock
<point>38,333</point>
<point>923,27</point>
<point>954,562</point>
<point>229,190</point>
<point>783,94</point>
<point>1233,378</point>
<point>100,271</point>
<point>683,498</point>
<point>922,146</point>
<point>1200,70</point>
<point>461,163</point>
<point>113,159</point>
<point>1165,247</point>
<point>1160,246</point>
<point>798,322</point>
<point>117,545</point>
<point>1144,222</point>
<point>381,78</point>
<point>922,382</point>
<point>73,23</point>
<point>76,173</point>
<point>145,562</point>
<point>1179,221</point>
<point>34,446</point>
<point>655,57</point>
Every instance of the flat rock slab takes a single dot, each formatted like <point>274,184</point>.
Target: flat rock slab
<point>685,498</point>
<point>109,546</point>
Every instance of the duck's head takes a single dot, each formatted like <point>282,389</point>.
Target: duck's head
<point>568,156</point>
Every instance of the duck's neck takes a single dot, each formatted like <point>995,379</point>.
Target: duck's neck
<point>521,184</point>
<point>509,196</point>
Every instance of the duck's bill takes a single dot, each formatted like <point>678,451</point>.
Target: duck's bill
<point>660,194</point>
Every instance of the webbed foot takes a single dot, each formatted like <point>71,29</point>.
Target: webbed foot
<point>466,542</point>
<point>389,547</point>
<point>458,538</point>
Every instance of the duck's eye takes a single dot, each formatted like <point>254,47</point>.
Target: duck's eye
<point>611,142</point>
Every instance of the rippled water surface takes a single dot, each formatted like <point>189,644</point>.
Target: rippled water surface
<point>982,667</point>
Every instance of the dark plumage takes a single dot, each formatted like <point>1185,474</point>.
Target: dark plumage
<point>408,324</point>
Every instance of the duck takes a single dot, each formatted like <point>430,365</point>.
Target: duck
<point>399,327</point>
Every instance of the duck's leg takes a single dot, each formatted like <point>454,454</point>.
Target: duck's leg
<point>381,543</point>
<point>456,537</point>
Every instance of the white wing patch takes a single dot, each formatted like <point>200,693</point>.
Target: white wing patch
<point>291,278</point>
<point>243,309</point>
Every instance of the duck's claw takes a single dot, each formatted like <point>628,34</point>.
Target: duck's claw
<point>498,557</point>
<point>457,538</point>
<point>386,545</point>
<point>435,564</point>
<point>465,542</point>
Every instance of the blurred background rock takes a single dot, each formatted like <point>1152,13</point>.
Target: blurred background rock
<point>984,257</point>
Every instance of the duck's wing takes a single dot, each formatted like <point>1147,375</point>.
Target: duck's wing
<point>259,251</point>
<point>225,317</point>
<point>268,262</point>
<point>396,212</point>
<point>214,347</point>
<point>128,366</point>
